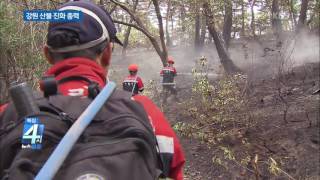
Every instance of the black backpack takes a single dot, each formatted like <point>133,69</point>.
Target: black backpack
<point>131,87</point>
<point>119,143</point>
<point>168,76</point>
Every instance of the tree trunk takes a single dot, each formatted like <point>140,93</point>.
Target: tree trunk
<point>203,31</point>
<point>227,27</point>
<point>303,15</point>
<point>314,14</point>
<point>275,19</point>
<point>164,54</point>
<point>127,34</point>
<point>293,15</point>
<point>242,33</point>
<point>225,60</point>
<point>210,36</point>
<point>126,40</point>
<point>161,51</point>
<point>168,39</point>
<point>4,73</point>
<point>182,20</point>
<point>253,26</point>
<point>172,27</point>
<point>197,28</point>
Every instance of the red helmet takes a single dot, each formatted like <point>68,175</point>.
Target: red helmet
<point>133,67</point>
<point>170,60</point>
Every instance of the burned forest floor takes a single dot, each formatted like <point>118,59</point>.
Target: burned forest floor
<point>281,141</point>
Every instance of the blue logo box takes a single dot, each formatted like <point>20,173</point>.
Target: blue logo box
<point>32,133</point>
<point>52,15</point>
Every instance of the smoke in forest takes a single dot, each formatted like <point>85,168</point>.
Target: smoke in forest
<point>257,58</point>
<point>306,49</point>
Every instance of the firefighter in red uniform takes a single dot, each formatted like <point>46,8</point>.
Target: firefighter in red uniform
<point>133,83</point>
<point>168,73</point>
<point>84,49</point>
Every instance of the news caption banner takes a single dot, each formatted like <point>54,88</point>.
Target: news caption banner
<point>32,134</point>
<point>52,15</point>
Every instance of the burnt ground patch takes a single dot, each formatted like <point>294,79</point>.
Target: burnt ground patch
<point>290,137</point>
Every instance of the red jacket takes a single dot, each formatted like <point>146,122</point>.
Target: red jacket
<point>167,140</point>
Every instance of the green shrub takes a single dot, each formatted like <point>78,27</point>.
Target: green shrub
<point>217,107</point>
<point>20,48</point>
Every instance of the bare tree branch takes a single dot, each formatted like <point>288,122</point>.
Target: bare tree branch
<point>134,26</point>
<point>130,12</point>
<point>151,38</point>
<point>164,53</point>
<point>113,9</point>
<point>128,31</point>
<point>140,26</point>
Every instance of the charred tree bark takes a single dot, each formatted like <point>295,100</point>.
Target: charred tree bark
<point>227,27</point>
<point>303,15</point>
<point>127,34</point>
<point>229,67</point>
<point>275,19</point>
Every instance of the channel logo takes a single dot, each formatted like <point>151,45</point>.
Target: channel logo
<point>32,133</point>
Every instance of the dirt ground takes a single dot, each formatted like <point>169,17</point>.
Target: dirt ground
<point>292,141</point>
<point>285,115</point>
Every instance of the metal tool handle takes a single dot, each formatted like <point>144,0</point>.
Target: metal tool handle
<point>134,86</point>
<point>23,99</point>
